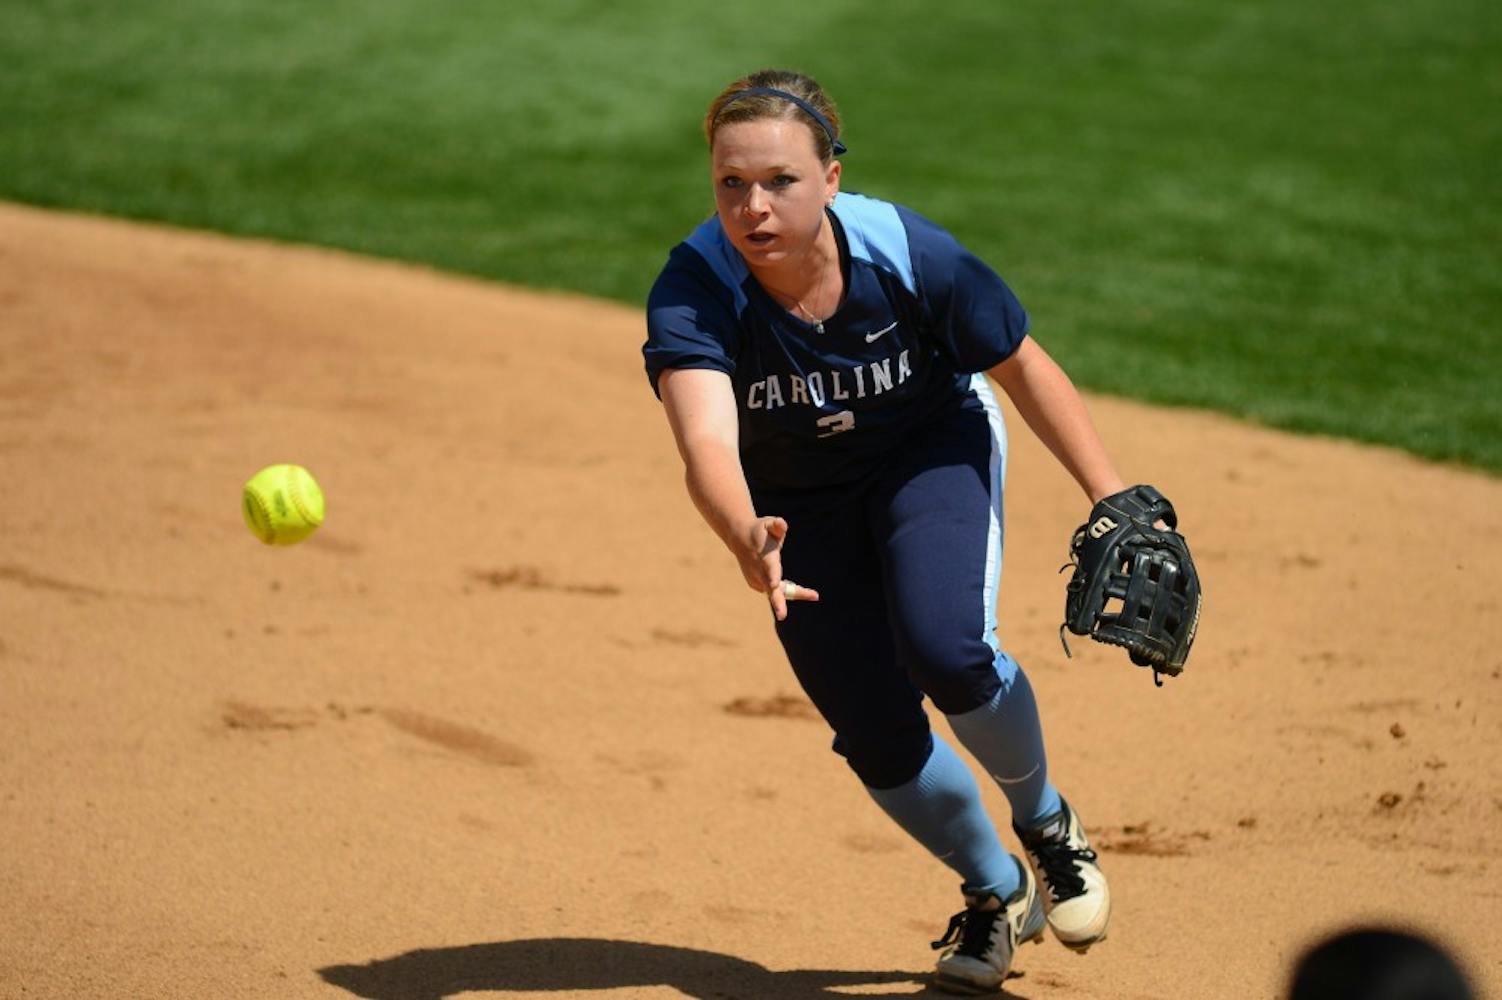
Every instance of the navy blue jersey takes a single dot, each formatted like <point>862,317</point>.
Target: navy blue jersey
<point>921,316</point>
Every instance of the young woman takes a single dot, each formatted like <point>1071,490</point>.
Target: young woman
<point>822,360</point>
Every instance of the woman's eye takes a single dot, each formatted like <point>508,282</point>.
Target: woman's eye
<point>783,180</point>
<point>731,182</point>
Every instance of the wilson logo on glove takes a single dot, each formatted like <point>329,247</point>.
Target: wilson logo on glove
<point>1134,584</point>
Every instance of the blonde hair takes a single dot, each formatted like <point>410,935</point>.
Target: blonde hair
<point>729,107</point>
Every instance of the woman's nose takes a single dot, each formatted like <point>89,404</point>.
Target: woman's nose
<point>756,200</point>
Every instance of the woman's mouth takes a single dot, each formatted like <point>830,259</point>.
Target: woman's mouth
<point>760,239</point>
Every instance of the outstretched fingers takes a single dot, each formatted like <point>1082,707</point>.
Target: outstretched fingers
<point>785,591</point>
<point>772,531</point>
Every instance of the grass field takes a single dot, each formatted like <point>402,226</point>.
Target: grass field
<point>1284,210</point>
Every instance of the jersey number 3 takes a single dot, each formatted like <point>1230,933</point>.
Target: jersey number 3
<point>836,423</point>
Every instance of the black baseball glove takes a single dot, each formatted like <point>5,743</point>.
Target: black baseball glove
<point>1134,584</point>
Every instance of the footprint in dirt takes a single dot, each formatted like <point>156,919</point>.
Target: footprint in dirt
<point>32,580</point>
<point>1143,840</point>
<point>779,706</point>
<point>532,578</point>
<point>467,741</point>
<point>260,719</point>
<point>692,638</point>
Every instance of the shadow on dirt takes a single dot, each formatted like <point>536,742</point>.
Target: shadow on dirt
<point>547,964</point>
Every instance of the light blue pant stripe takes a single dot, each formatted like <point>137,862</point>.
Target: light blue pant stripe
<point>996,534</point>
<point>1006,735</point>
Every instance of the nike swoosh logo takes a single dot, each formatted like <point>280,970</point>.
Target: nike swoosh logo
<point>871,338</point>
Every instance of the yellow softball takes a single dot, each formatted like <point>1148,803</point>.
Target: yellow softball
<point>283,504</point>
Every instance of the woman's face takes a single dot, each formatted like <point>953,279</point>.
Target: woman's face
<point>770,188</point>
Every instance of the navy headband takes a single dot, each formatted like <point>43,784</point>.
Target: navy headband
<point>835,145</point>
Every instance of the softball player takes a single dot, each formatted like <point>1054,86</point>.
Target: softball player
<point>821,358</point>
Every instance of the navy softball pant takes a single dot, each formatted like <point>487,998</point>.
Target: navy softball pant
<point>907,570</point>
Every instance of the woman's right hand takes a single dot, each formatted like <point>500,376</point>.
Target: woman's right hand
<point>701,410</point>
<point>758,549</point>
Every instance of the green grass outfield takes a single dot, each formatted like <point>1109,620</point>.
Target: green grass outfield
<point>1286,210</point>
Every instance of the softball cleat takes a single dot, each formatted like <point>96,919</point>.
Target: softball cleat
<point>1075,895</point>
<point>983,937</point>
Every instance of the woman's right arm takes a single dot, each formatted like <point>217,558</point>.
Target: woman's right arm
<point>700,405</point>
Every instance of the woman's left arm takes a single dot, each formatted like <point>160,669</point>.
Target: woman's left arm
<point>1052,407</point>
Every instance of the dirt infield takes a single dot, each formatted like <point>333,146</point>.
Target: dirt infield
<point>511,725</point>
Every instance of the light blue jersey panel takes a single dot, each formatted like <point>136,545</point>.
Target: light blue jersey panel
<point>876,235</point>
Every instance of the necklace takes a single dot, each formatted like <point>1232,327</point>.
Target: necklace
<point>805,310</point>
<point>816,321</point>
